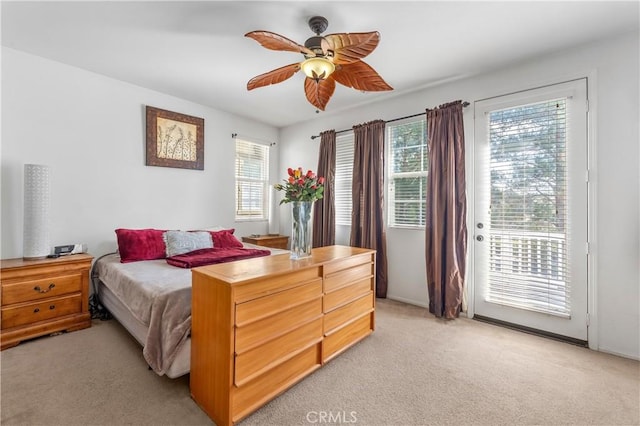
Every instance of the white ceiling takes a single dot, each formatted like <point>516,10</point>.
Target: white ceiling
<point>197,50</point>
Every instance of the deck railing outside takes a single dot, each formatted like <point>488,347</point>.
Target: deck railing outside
<point>529,270</point>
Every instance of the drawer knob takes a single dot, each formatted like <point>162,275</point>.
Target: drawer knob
<point>38,289</point>
<point>36,310</point>
<point>52,306</point>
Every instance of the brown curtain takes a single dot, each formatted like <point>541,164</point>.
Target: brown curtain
<point>446,229</point>
<point>367,224</point>
<point>324,216</point>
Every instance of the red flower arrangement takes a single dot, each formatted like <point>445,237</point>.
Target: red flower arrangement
<point>301,186</point>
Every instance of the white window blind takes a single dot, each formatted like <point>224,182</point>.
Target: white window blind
<point>252,180</point>
<point>528,209</point>
<point>343,179</point>
<point>407,173</point>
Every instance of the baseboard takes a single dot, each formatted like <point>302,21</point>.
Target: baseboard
<point>407,301</point>
<point>414,303</point>
<point>620,354</point>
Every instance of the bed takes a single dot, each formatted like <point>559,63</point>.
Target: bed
<point>151,298</point>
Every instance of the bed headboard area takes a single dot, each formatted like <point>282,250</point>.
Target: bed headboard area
<point>136,245</point>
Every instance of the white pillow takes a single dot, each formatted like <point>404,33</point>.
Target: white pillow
<point>180,242</point>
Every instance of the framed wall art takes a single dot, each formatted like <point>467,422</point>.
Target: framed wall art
<point>174,139</point>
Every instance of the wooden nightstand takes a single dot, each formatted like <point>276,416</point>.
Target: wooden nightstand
<point>43,296</point>
<point>273,241</point>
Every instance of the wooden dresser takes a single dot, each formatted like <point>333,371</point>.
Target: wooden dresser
<point>261,325</point>
<point>273,241</point>
<point>40,297</point>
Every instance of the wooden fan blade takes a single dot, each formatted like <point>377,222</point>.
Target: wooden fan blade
<point>275,41</point>
<point>360,76</point>
<point>349,47</point>
<point>319,92</point>
<point>325,45</point>
<point>272,77</point>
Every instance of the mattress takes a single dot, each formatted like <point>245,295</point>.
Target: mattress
<point>132,291</point>
<point>181,363</point>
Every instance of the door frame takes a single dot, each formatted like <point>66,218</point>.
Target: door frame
<point>591,77</point>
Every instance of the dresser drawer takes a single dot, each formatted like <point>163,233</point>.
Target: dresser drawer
<point>341,339</point>
<point>26,291</point>
<point>275,283</point>
<point>257,361</point>
<point>266,306</point>
<point>346,313</point>
<point>347,263</point>
<point>260,332</point>
<point>27,313</point>
<point>347,294</point>
<point>255,393</point>
<point>345,277</point>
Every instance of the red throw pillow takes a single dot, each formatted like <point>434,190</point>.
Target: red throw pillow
<point>140,244</point>
<point>225,239</point>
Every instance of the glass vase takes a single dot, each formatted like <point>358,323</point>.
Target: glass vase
<point>301,228</point>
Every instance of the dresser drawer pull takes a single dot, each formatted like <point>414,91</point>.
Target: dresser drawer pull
<point>36,310</point>
<point>52,307</point>
<point>38,289</point>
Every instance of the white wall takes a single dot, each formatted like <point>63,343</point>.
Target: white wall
<point>91,130</point>
<point>612,68</point>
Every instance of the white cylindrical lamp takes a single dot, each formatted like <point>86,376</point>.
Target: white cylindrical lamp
<point>37,204</point>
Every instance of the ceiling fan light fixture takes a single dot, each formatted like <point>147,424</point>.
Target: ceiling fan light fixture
<point>335,58</point>
<point>318,68</point>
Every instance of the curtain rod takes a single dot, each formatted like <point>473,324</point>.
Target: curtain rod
<point>464,104</point>
<point>255,140</point>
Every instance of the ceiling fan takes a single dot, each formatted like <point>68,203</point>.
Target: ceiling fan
<point>327,59</point>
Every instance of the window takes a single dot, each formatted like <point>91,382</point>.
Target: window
<point>343,179</point>
<point>407,174</point>
<point>528,209</point>
<point>252,180</point>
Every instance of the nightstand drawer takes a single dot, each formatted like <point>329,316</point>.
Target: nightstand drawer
<point>43,296</point>
<point>28,313</point>
<point>27,291</point>
<point>273,241</point>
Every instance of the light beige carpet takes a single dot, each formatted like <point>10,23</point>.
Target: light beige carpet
<point>413,370</point>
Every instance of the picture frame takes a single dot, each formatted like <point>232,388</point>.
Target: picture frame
<point>174,139</point>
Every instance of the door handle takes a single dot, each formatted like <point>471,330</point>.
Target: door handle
<point>480,238</point>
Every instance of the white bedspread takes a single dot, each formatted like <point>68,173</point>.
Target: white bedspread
<point>159,296</point>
